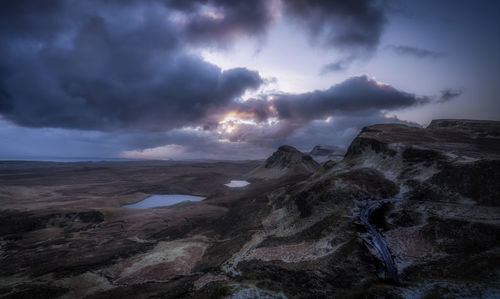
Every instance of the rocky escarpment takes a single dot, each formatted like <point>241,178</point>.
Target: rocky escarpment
<point>287,160</point>
<point>463,139</point>
<point>433,204</point>
<point>451,159</point>
<point>323,153</point>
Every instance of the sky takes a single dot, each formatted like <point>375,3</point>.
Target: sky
<point>235,79</point>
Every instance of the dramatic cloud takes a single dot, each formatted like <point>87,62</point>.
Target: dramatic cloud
<point>111,65</point>
<point>108,77</point>
<point>448,95</point>
<point>240,130</point>
<point>107,65</point>
<point>356,95</point>
<point>273,119</point>
<point>415,52</point>
<point>346,24</point>
<point>224,20</point>
<point>353,27</point>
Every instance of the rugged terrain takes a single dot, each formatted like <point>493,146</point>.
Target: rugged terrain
<point>323,153</point>
<point>423,201</point>
<point>286,161</point>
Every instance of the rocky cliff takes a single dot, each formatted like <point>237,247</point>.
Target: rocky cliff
<point>409,213</point>
<point>421,200</point>
<point>453,159</point>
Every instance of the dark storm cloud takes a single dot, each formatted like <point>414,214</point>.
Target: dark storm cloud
<point>118,64</point>
<point>339,23</point>
<point>448,95</point>
<point>295,118</point>
<point>356,95</point>
<point>120,76</point>
<point>229,19</point>
<point>353,27</point>
<point>106,65</point>
<point>415,52</point>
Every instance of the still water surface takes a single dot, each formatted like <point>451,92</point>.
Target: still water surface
<point>233,184</point>
<point>163,200</point>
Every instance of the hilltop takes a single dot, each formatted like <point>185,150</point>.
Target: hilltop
<point>286,161</point>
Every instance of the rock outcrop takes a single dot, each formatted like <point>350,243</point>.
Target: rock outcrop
<point>434,204</point>
<point>463,139</point>
<point>457,160</point>
<point>323,153</point>
<point>286,161</point>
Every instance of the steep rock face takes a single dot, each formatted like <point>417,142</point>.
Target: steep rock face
<point>287,160</point>
<point>479,127</point>
<point>466,139</point>
<point>450,156</point>
<point>323,153</point>
<point>437,207</point>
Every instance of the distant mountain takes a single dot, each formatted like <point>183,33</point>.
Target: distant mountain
<point>323,153</point>
<point>287,160</point>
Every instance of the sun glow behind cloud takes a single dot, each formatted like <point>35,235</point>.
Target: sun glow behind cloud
<point>233,120</point>
<point>211,13</point>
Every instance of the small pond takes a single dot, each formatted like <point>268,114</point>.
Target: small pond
<point>163,200</point>
<point>233,184</point>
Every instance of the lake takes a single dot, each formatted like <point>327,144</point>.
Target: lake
<point>233,184</point>
<point>163,200</point>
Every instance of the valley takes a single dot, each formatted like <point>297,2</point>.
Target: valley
<point>407,213</point>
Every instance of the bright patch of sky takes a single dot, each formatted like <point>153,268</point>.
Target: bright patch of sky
<point>285,54</point>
